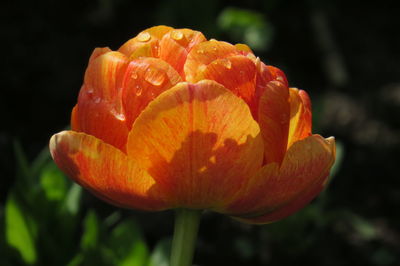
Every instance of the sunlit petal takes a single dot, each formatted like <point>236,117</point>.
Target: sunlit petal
<point>193,137</point>
<point>105,171</point>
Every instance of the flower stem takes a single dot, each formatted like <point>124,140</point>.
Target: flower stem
<point>185,234</point>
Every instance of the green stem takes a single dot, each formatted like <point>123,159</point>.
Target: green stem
<point>185,234</point>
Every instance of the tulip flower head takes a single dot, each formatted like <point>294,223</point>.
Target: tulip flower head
<point>173,120</point>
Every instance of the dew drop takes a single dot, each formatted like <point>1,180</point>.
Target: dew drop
<point>251,56</point>
<point>118,115</point>
<point>200,51</point>
<point>138,90</point>
<point>227,63</point>
<point>144,36</point>
<point>134,75</point>
<point>214,48</point>
<point>154,76</point>
<point>202,68</point>
<point>177,35</point>
<point>89,91</point>
<point>258,65</point>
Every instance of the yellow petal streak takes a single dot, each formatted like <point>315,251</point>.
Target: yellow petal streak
<point>199,142</point>
<point>105,171</point>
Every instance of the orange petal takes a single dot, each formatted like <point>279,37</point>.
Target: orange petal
<point>101,118</point>
<point>74,119</point>
<point>144,80</point>
<point>277,74</point>
<point>105,171</point>
<point>243,48</point>
<point>203,54</point>
<point>176,44</point>
<point>98,52</point>
<point>274,192</point>
<point>148,38</point>
<point>193,137</point>
<point>293,206</point>
<point>104,74</point>
<point>273,118</point>
<point>300,116</point>
<point>265,74</point>
<point>236,73</point>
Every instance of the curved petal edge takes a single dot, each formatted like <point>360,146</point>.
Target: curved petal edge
<point>105,171</point>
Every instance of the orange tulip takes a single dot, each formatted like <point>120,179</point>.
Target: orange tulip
<point>171,120</point>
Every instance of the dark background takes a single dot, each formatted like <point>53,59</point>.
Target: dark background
<point>346,54</point>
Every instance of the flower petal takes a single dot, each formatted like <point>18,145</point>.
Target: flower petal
<point>147,42</point>
<point>266,74</point>
<point>100,118</point>
<point>274,192</point>
<point>300,116</point>
<point>273,118</point>
<point>205,53</point>
<point>193,137</point>
<point>105,171</point>
<point>99,109</point>
<point>176,44</point>
<point>236,73</point>
<point>144,80</point>
<point>104,75</point>
<point>244,48</point>
<point>296,204</point>
<point>98,52</point>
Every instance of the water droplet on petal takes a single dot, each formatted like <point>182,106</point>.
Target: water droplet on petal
<point>177,35</point>
<point>138,90</point>
<point>227,63</point>
<point>202,68</point>
<point>118,115</point>
<point>154,77</point>
<point>279,78</point>
<point>258,65</point>
<point>144,36</point>
<point>134,75</point>
<point>89,91</point>
<point>200,51</point>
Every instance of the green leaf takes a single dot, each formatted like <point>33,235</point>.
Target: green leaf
<point>90,237</point>
<point>128,245</point>
<point>77,260</point>
<point>53,183</point>
<point>72,201</point>
<point>23,180</point>
<point>246,26</point>
<point>161,253</point>
<point>19,230</point>
<point>364,228</point>
<point>40,161</point>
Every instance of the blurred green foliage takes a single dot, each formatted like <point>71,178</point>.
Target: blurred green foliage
<point>47,220</point>
<point>45,223</point>
<point>246,26</point>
